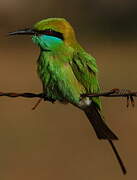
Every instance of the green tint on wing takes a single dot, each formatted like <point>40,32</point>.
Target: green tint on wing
<point>85,69</point>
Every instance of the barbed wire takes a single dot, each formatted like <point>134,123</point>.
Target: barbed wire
<point>112,93</point>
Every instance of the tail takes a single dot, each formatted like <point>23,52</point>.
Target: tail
<point>103,131</point>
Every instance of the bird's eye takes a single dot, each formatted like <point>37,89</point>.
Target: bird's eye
<point>50,32</point>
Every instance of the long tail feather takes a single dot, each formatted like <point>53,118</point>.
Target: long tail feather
<point>118,157</point>
<point>103,131</point>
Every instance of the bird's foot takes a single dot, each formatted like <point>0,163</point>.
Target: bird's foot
<point>49,99</point>
<point>127,93</point>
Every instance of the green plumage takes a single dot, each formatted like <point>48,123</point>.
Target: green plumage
<point>59,81</point>
<point>68,74</point>
<point>65,69</point>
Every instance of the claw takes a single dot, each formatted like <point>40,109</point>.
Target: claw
<point>49,99</point>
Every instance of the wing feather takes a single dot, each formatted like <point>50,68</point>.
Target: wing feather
<point>85,69</point>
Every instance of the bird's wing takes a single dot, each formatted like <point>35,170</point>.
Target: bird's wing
<point>85,69</point>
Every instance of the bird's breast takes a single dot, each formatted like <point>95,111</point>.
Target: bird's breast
<point>59,81</point>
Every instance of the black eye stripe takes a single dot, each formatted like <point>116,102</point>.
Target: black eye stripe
<point>50,32</point>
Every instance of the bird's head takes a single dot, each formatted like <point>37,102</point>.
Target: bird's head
<point>50,32</point>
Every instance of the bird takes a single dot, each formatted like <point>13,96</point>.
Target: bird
<point>67,71</point>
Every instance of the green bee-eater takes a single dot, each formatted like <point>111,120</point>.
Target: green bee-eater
<point>67,71</point>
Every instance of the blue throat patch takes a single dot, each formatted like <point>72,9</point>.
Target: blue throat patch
<point>47,42</point>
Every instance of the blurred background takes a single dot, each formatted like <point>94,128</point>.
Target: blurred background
<point>57,141</point>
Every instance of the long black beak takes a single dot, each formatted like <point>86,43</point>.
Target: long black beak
<point>23,32</point>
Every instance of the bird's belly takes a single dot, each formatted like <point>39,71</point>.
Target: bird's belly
<point>52,91</point>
